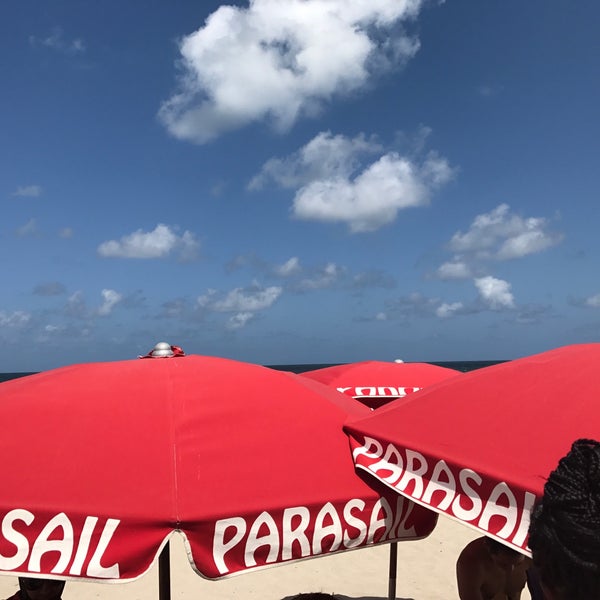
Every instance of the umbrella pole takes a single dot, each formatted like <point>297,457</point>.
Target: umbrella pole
<point>164,573</point>
<point>393,569</point>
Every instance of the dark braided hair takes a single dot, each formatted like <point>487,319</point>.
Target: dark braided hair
<point>564,533</point>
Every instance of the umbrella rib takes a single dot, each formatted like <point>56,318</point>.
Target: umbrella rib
<point>172,426</point>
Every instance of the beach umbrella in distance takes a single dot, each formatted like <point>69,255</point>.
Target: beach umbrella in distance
<point>251,465</point>
<point>480,447</point>
<point>375,382</point>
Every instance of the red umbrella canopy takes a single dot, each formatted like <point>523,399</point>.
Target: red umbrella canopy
<point>479,447</point>
<point>375,383</point>
<point>101,462</point>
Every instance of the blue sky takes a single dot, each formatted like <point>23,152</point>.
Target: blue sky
<point>298,181</point>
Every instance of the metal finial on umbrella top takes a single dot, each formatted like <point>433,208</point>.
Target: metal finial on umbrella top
<point>164,350</point>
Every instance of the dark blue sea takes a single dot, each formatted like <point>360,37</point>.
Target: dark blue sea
<point>464,366</point>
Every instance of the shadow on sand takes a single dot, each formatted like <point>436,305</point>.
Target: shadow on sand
<point>340,597</point>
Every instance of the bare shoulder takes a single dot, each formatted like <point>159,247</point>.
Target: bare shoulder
<point>471,571</point>
<point>473,552</point>
<point>472,562</point>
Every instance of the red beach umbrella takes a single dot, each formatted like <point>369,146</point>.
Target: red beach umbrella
<point>375,383</point>
<point>103,461</point>
<point>479,447</point>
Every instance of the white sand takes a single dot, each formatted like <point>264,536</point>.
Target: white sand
<point>425,572</point>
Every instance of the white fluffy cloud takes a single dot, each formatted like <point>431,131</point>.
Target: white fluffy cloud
<point>375,196</point>
<point>279,61</point>
<point>502,235</point>
<point>498,235</point>
<point>159,243</point>
<point>334,185</point>
<point>495,293</point>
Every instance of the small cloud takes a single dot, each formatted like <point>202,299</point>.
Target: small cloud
<point>52,333</point>
<point>51,288</point>
<point>28,191</point>
<point>239,320</point>
<point>593,301</point>
<point>241,261</point>
<point>52,329</point>
<point>456,269</point>
<point>496,236</point>
<point>77,45</point>
<point>159,243</point>
<point>290,267</point>
<point>206,300</point>
<point>110,298</point>
<point>489,90</point>
<point>446,310</point>
<point>324,278</point>
<point>15,319</point>
<point>381,316</point>
<point>374,278</point>
<point>248,300</point>
<point>218,189</point>
<point>495,293</point>
<point>299,278</point>
<point>188,247</point>
<point>76,305</point>
<point>279,62</point>
<point>30,228</point>
<point>244,302</point>
<point>502,235</point>
<point>133,300</point>
<point>412,305</point>
<point>533,313</point>
<point>174,308</point>
<point>56,41</point>
<point>65,233</point>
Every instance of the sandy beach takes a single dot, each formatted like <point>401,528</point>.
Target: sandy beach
<point>425,572</point>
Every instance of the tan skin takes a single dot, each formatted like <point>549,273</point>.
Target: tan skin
<point>483,574</point>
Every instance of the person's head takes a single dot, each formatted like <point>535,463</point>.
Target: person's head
<point>564,533</point>
<point>41,589</point>
<point>502,555</point>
